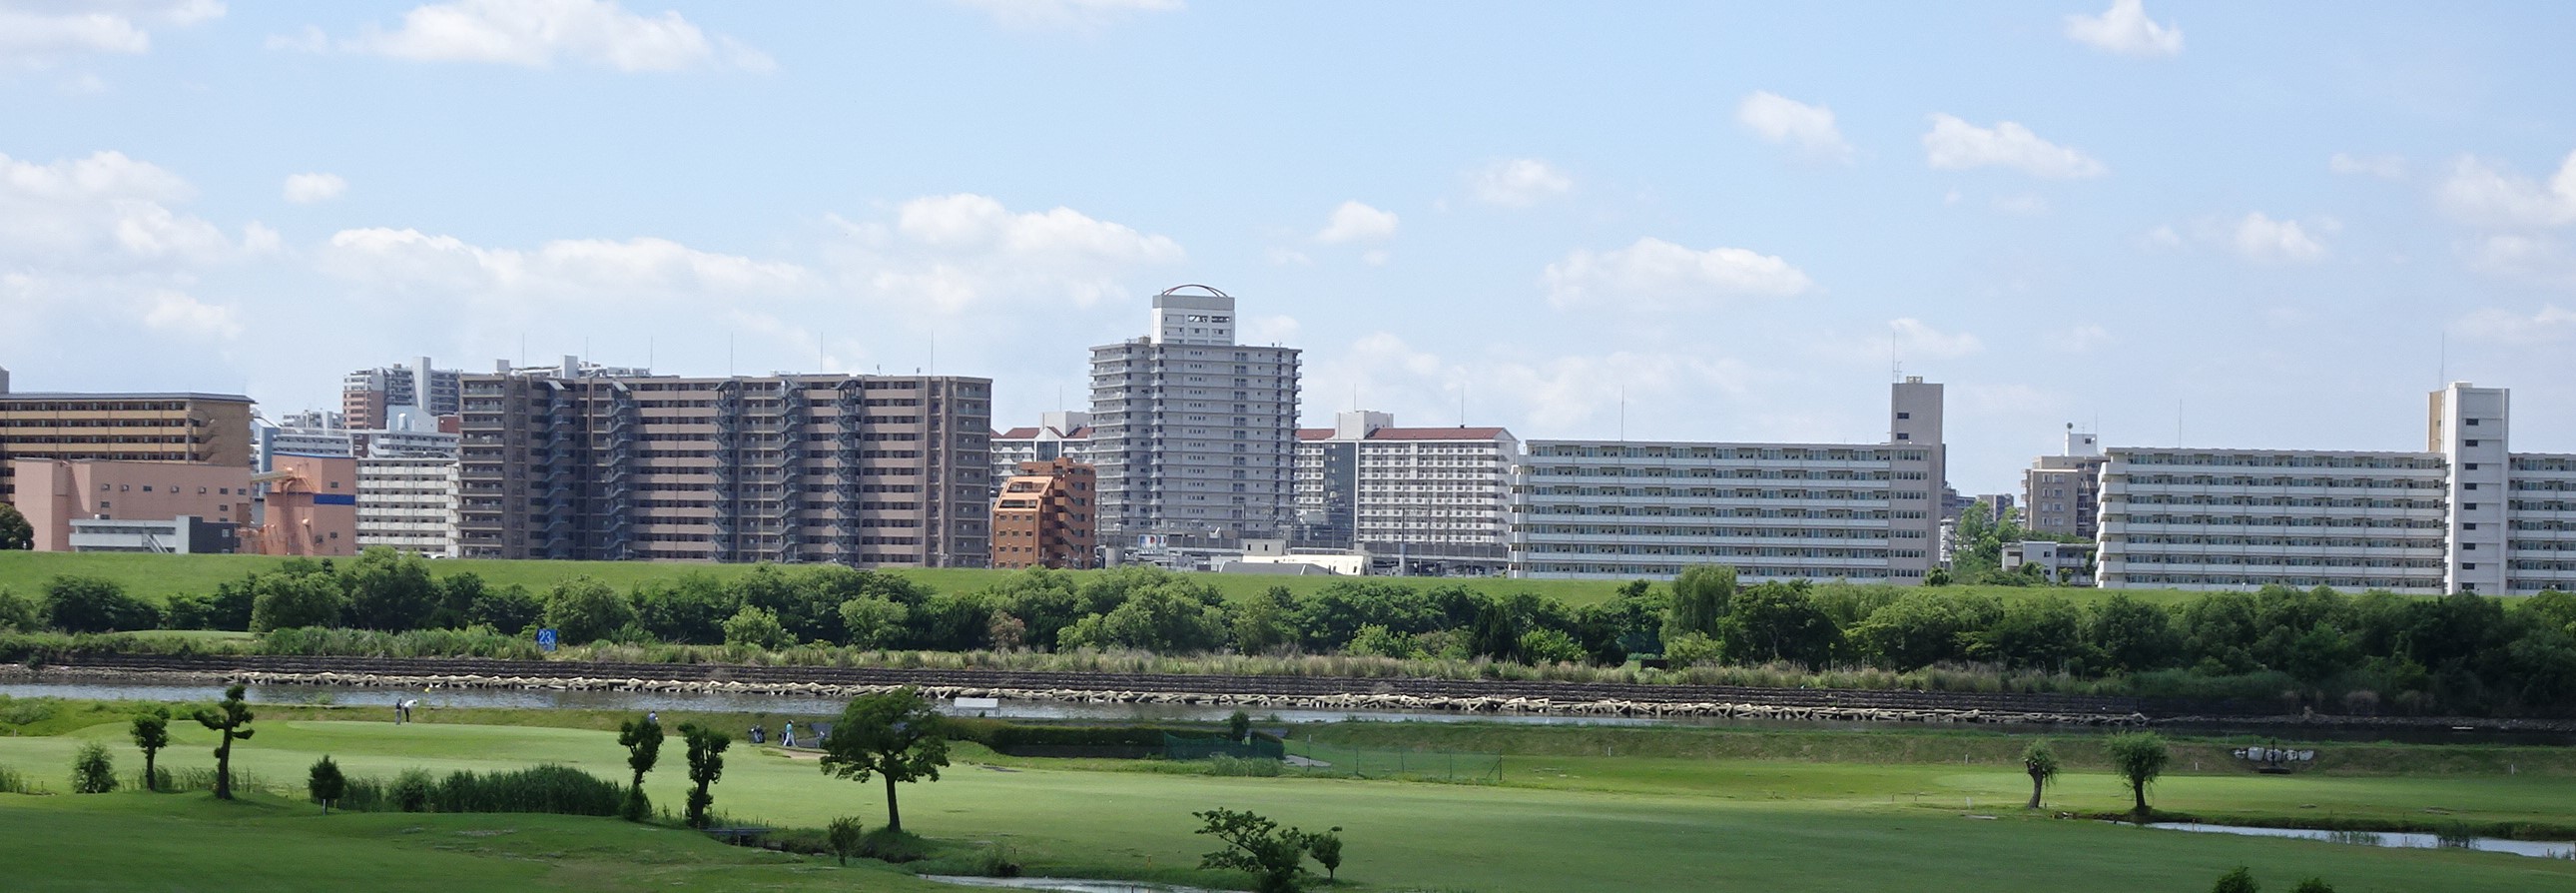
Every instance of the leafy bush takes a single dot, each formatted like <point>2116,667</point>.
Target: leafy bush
<point>412,791</point>
<point>889,845</point>
<point>92,771</point>
<point>843,837</point>
<point>77,604</point>
<point>550,788</point>
<point>326,783</point>
<point>14,782</point>
<point>2239,881</point>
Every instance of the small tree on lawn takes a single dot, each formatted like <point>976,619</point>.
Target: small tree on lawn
<point>2041,762</point>
<point>894,735</point>
<point>326,784</point>
<point>1255,844</point>
<point>232,718</point>
<point>151,733</point>
<point>706,764</point>
<point>2238,881</point>
<point>642,739</point>
<point>1238,728</point>
<point>92,772</point>
<point>2314,885</point>
<point>2139,757</point>
<point>1327,850</point>
<point>843,837</point>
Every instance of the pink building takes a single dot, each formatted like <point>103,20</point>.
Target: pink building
<point>54,492</point>
<point>312,506</point>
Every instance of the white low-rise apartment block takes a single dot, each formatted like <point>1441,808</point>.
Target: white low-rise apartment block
<point>1057,435</point>
<point>1431,494</point>
<point>2465,515</point>
<point>1608,509</point>
<point>408,503</point>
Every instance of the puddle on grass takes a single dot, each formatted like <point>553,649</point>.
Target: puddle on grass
<point>1067,884</point>
<point>2395,839</point>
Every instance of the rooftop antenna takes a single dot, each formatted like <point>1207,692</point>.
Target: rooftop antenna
<point>729,354</point>
<point>1623,413</point>
<point>648,352</point>
<point>2177,423</point>
<point>934,351</point>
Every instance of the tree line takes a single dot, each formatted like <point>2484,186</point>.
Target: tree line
<point>2363,652</point>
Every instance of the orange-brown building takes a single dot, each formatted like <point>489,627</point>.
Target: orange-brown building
<point>177,427</point>
<point>312,506</point>
<point>1045,517</point>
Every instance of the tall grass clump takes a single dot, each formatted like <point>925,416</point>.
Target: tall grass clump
<point>203,779</point>
<point>478,641</point>
<point>14,782</point>
<point>550,788</point>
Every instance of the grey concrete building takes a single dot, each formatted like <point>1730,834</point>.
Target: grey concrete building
<point>853,469</point>
<point>1612,509</point>
<point>1437,496</point>
<point>2062,494</point>
<point>1195,436</point>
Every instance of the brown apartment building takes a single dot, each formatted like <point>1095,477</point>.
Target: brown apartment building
<point>1044,517</point>
<point>851,469</point>
<point>172,427</point>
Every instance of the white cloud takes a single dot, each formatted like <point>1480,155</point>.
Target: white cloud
<point>1356,222</point>
<point>2550,324</point>
<point>1076,14</point>
<point>1916,339</point>
<point>305,189</point>
<point>540,33</point>
<point>2481,193</point>
<point>1954,144</point>
<point>2126,30</point>
<point>2262,238</point>
<point>1271,329</point>
<point>947,254</point>
<point>43,34</point>
<point>104,211</point>
<point>1290,256</point>
<point>1518,182</point>
<point>2385,167</point>
<point>1657,274</point>
<point>1563,394</point>
<point>1783,121</point>
<point>2078,339</point>
<point>2023,205</point>
<point>596,272</point>
<point>2538,260</point>
<point>175,311</point>
<point>2162,237</point>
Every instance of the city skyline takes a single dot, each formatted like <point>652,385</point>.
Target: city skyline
<point>2167,222</point>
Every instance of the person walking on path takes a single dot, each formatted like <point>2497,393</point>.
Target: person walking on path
<point>787,734</point>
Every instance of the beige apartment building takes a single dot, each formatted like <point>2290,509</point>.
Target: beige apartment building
<point>153,427</point>
<point>55,493</point>
<point>1045,516</point>
<point>852,469</point>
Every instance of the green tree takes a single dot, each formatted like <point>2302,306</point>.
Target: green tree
<point>287,600</point>
<point>1700,597</point>
<point>757,628</point>
<point>1777,622</point>
<point>232,719</point>
<point>1326,847</point>
<point>151,733</point>
<point>2041,762</point>
<point>390,590</point>
<point>1275,856</point>
<point>642,738</point>
<point>872,622</point>
<point>77,604</point>
<point>2132,635</point>
<point>1005,632</point>
<point>706,765</point>
<point>92,771</point>
<point>1548,646</point>
<point>1238,727</point>
<point>2239,881</point>
<point>2314,885</point>
<point>583,610</point>
<point>2138,758</point>
<point>1263,622</point>
<point>510,609</point>
<point>843,837</point>
<point>689,608</point>
<point>18,613</point>
<point>456,596</point>
<point>15,532</point>
<point>892,735</point>
<point>2044,632</point>
<point>1175,617</point>
<point>325,783</point>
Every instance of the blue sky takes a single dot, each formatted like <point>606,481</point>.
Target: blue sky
<point>2236,224</point>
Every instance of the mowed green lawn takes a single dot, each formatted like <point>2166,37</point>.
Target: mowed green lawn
<point>157,577</point>
<point>1556,823</point>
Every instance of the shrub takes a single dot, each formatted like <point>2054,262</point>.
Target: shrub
<point>843,837</point>
<point>12,782</point>
<point>889,845</point>
<point>92,771</point>
<point>76,604</point>
<point>326,783</point>
<point>412,791</point>
<point>18,613</point>
<point>550,788</point>
<point>282,600</point>
<point>2238,881</point>
<point>2314,885</point>
<point>995,861</point>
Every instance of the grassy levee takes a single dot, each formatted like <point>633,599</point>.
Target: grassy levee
<point>157,577</point>
<point>1568,820</point>
<point>121,842</point>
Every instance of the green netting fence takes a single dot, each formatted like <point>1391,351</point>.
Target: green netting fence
<point>1200,747</point>
<point>1388,762</point>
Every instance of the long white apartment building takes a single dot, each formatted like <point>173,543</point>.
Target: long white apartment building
<point>1611,509</point>
<point>1414,493</point>
<point>408,503</point>
<point>1057,435</point>
<point>2464,515</point>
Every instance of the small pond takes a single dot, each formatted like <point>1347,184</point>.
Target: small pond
<point>2539,849</point>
